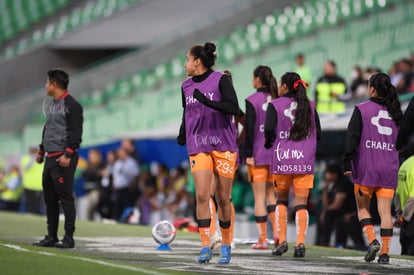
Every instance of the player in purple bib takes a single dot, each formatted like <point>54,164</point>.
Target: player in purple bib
<point>371,160</point>
<point>208,129</point>
<point>291,129</point>
<point>258,158</point>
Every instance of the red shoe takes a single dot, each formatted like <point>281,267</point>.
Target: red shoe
<point>260,246</point>
<point>276,239</point>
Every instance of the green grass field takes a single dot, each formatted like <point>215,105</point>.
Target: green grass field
<point>128,249</point>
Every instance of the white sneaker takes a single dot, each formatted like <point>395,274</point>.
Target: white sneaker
<point>215,241</point>
<point>233,245</point>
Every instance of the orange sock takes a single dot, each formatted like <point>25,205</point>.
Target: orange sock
<point>281,221</point>
<point>225,229</point>
<point>213,212</point>
<point>369,232</point>
<point>233,216</point>
<point>204,236</point>
<point>302,221</point>
<point>272,218</point>
<point>386,237</point>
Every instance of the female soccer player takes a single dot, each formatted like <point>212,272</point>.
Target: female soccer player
<point>372,160</point>
<point>210,104</point>
<point>291,129</point>
<point>258,158</point>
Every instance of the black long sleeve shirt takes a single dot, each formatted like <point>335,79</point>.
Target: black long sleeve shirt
<point>250,124</point>
<point>228,104</point>
<point>406,126</point>
<point>271,122</point>
<point>353,135</point>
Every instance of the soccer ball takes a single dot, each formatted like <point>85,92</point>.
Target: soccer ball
<point>163,232</point>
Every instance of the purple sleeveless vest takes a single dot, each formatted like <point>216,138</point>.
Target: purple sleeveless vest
<point>292,157</point>
<point>207,130</point>
<point>261,155</point>
<point>376,160</point>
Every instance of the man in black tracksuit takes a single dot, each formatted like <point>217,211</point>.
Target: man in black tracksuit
<point>61,137</point>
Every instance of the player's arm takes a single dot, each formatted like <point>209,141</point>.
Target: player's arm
<point>41,152</point>
<point>181,138</point>
<point>74,127</point>
<point>228,104</point>
<point>318,126</point>
<point>353,138</point>
<point>250,124</point>
<point>270,126</point>
<point>406,126</point>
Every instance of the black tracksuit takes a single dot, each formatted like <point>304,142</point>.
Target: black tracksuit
<point>62,135</point>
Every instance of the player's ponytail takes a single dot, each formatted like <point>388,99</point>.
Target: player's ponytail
<point>382,84</point>
<point>205,53</point>
<point>303,123</point>
<point>264,73</point>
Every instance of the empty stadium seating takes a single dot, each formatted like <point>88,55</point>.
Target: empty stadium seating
<point>18,15</point>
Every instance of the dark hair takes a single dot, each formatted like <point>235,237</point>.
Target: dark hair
<point>264,73</point>
<point>332,63</point>
<point>205,53</point>
<point>60,77</point>
<point>334,168</point>
<point>300,55</point>
<point>228,73</point>
<point>303,124</point>
<point>381,82</point>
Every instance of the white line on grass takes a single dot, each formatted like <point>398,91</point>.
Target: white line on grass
<point>101,262</point>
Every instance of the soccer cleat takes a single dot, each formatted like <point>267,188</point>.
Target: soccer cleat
<point>260,245</point>
<point>225,254</point>
<point>67,242</point>
<point>215,241</point>
<point>384,259</point>
<point>299,251</point>
<point>280,249</point>
<point>373,248</point>
<point>47,241</point>
<point>205,255</point>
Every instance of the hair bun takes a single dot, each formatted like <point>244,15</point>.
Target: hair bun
<point>209,48</point>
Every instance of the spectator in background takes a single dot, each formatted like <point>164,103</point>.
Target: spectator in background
<point>302,69</point>
<point>406,83</point>
<point>330,90</point>
<point>105,202</point>
<point>128,145</point>
<point>124,178</point>
<point>92,176</point>
<point>339,211</point>
<point>147,184</point>
<point>359,84</point>
<point>160,203</point>
<point>405,203</point>
<point>395,73</point>
<point>10,189</point>
<point>406,127</point>
<point>32,182</point>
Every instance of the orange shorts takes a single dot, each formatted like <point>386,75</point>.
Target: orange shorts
<point>300,181</point>
<point>222,163</point>
<point>259,174</point>
<point>367,191</point>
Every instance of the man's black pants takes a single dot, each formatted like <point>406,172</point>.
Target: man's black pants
<point>58,185</point>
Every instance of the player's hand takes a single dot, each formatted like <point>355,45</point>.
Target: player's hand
<point>200,96</point>
<point>250,161</point>
<point>40,156</point>
<point>63,161</point>
<point>399,221</point>
<point>348,173</point>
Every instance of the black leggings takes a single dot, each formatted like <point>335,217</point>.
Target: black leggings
<point>58,185</point>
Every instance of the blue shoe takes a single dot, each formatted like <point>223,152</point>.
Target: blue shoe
<point>205,255</point>
<point>225,254</point>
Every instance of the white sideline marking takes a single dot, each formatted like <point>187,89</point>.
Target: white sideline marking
<point>394,263</point>
<point>101,262</point>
